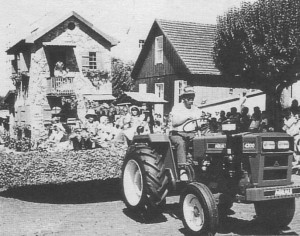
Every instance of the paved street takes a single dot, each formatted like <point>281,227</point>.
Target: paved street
<point>84,209</point>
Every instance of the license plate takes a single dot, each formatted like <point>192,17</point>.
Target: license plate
<point>283,191</point>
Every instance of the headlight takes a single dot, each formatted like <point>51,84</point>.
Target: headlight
<point>220,145</point>
<point>228,127</point>
<point>269,145</point>
<point>283,144</point>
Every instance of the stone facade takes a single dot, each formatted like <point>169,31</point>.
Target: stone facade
<point>32,102</point>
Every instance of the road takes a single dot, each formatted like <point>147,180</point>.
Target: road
<point>95,208</point>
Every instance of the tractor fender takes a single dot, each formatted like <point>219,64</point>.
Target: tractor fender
<point>162,144</point>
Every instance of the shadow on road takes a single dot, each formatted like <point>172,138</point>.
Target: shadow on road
<point>149,218</point>
<point>233,226</point>
<point>252,227</point>
<point>69,193</point>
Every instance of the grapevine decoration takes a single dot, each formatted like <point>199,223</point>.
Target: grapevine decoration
<point>36,168</point>
<point>97,77</point>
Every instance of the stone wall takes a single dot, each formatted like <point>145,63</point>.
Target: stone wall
<point>85,40</point>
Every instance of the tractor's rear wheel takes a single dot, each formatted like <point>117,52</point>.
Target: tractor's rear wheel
<point>275,213</point>
<point>199,210</point>
<point>144,178</point>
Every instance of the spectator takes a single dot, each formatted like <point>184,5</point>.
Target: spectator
<point>157,127</point>
<point>213,125</point>
<point>264,124</point>
<point>255,120</point>
<point>222,117</point>
<point>90,129</point>
<point>57,134</point>
<point>130,123</point>
<point>290,122</point>
<point>234,115</point>
<point>76,139</point>
<point>106,130</point>
<point>228,115</point>
<point>245,120</point>
<point>294,107</point>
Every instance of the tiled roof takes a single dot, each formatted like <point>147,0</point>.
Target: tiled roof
<point>194,44</point>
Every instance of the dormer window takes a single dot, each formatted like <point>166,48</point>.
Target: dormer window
<point>159,44</point>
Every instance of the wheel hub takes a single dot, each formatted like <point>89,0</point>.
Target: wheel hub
<point>133,182</point>
<point>196,211</point>
<point>193,212</point>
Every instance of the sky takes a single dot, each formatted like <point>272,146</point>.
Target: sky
<point>126,20</point>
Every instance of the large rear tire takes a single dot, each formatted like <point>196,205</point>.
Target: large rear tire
<point>199,210</point>
<point>275,213</point>
<point>144,178</point>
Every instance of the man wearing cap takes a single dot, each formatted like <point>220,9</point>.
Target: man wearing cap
<point>182,113</point>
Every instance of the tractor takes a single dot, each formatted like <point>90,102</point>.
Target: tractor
<point>224,168</point>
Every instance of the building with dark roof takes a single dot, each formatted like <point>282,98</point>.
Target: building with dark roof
<point>178,53</point>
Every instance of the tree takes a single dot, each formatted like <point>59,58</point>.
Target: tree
<point>121,76</point>
<point>3,105</point>
<point>259,43</point>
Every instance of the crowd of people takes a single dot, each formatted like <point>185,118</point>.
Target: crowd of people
<point>106,123</point>
<point>103,124</point>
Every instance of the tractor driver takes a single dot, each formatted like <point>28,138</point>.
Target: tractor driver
<point>182,113</point>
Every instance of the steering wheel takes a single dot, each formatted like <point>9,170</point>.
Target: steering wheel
<point>201,128</point>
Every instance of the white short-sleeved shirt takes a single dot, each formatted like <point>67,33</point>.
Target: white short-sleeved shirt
<point>181,110</point>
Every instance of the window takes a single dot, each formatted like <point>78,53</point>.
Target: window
<point>159,44</point>
<point>71,26</point>
<point>92,60</point>
<point>178,89</point>
<point>159,90</point>
<point>89,61</point>
<point>141,43</point>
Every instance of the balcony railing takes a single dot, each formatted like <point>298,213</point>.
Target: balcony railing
<point>60,86</point>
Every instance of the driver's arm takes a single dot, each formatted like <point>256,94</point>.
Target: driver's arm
<point>179,117</point>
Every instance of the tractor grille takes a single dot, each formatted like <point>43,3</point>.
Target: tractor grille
<point>276,167</point>
<point>275,174</point>
<point>276,161</point>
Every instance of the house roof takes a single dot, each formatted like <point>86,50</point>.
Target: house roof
<point>99,97</point>
<point>50,21</point>
<point>193,43</point>
<point>138,97</point>
<point>145,97</point>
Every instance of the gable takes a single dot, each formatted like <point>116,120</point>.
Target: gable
<point>49,23</point>
<point>191,44</point>
<point>145,65</point>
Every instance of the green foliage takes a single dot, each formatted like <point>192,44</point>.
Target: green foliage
<point>121,76</point>
<point>260,42</point>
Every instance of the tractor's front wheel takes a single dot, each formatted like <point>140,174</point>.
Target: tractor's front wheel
<point>144,179</point>
<point>275,213</point>
<point>199,210</point>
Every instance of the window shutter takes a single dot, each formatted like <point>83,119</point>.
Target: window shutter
<point>85,61</point>
<point>14,69</point>
<point>100,61</point>
<point>159,49</point>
